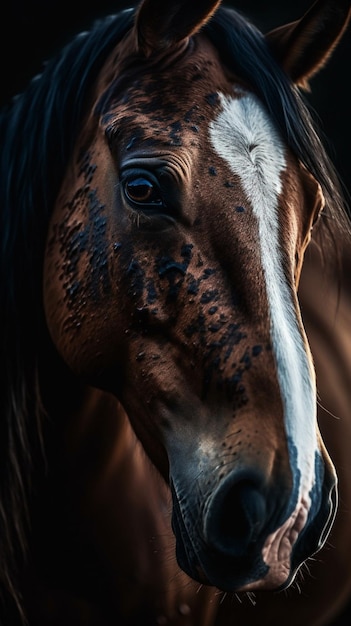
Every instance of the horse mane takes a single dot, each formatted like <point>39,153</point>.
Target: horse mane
<point>38,130</point>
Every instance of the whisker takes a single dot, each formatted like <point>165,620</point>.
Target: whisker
<point>252,597</point>
<point>321,406</point>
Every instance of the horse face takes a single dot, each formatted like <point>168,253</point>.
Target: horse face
<point>171,275</point>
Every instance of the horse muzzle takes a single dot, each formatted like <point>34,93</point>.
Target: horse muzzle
<point>247,536</point>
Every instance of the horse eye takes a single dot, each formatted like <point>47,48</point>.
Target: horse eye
<point>142,191</point>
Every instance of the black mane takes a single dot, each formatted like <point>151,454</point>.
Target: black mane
<point>38,131</point>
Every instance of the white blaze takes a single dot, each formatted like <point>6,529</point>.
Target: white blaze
<point>244,136</point>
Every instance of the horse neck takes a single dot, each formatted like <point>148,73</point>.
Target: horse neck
<point>125,508</point>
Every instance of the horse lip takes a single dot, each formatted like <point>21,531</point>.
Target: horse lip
<point>228,574</point>
<point>316,531</point>
<point>231,574</point>
<point>186,555</point>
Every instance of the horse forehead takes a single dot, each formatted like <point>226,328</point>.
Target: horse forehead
<point>183,88</point>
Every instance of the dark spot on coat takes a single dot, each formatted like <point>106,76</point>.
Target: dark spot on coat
<point>175,137</point>
<point>256,350</point>
<point>246,359</point>
<point>167,266</point>
<point>136,276</point>
<point>151,292</point>
<point>214,328</point>
<point>186,252</point>
<point>196,76</point>
<point>212,98</point>
<point>208,272</point>
<point>193,286</point>
<point>208,296</point>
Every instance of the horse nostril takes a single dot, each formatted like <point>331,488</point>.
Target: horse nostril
<point>235,516</point>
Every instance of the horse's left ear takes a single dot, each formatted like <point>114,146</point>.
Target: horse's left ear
<point>160,24</point>
<point>302,47</point>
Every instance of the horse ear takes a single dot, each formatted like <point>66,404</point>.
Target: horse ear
<point>162,23</point>
<point>302,47</point>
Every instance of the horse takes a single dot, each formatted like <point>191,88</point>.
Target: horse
<point>175,327</point>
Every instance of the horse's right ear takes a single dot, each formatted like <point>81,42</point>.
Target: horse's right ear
<point>302,47</point>
<point>160,24</point>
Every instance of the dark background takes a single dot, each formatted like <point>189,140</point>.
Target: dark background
<point>33,31</point>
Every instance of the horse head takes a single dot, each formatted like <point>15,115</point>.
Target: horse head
<point>171,275</point>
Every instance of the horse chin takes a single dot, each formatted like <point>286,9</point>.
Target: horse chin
<point>227,574</point>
